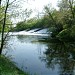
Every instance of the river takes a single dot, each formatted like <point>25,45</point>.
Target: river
<point>39,58</point>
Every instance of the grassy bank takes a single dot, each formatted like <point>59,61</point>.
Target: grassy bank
<point>7,68</point>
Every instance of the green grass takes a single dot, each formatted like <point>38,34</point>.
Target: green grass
<point>8,68</point>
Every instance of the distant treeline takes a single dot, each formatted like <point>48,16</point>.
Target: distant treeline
<point>32,24</point>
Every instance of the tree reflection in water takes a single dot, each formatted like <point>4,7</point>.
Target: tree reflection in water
<point>62,54</point>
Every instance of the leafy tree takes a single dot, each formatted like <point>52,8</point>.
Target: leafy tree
<point>6,12</point>
<point>3,28</point>
<point>68,20</point>
<point>63,5</point>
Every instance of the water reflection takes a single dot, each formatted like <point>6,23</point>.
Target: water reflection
<point>29,38</point>
<point>61,54</point>
<point>26,53</point>
<point>23,38</point>
<point>58,57</point>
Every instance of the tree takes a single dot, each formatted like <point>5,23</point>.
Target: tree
<point>67,5</point>
<point>68,19</point>
<point>4,19</point>
<point>3,28</point>
<point>0,2</point>
<point>62,21</point>
<point>63,5</point>
<point>72,5</point>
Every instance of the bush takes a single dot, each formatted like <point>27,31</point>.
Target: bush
<point>64,35</point>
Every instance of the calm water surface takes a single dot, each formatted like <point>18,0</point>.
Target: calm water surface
<point>40,58</point>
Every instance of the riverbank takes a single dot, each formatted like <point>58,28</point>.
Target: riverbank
<point>8,68</point>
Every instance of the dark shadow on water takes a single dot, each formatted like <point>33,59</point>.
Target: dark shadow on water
<point>61,54</point>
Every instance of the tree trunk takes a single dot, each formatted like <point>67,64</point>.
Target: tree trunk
<point>0,2</point>
<point>3,28</point>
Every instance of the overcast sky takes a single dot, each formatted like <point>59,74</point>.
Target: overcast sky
<point>37,5</point>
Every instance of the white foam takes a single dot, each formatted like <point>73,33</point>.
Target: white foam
<point>42,32</point>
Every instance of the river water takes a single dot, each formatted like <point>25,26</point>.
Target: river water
<point>39,58</point>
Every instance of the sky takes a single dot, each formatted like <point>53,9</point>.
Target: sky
<point>37,5</point>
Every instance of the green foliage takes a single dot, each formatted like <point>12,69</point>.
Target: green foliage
<point>67,34</point>
<point>64,35</point>
<point>33,23</point>
<point>8,22</point>
<point>7,68</point>
<point>63,5</point>
<point>64,28</point>
<point>73,31</point>
<point>24,25</point>
<point>20,26</point>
